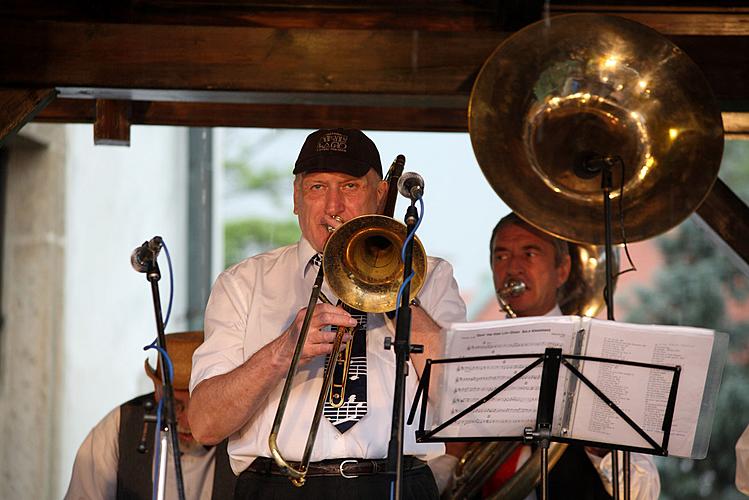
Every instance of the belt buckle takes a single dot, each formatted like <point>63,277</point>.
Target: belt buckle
<point>340,468</point>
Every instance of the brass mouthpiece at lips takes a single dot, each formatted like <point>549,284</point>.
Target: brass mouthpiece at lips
<point>512,288</point>
<point>338,218</point>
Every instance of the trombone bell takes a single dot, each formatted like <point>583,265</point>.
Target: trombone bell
<point>362,263</point>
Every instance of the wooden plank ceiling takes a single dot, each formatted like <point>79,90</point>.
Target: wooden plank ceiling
<point>389,65</point>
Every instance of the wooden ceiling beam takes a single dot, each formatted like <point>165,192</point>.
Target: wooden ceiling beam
<point>728,216</point>
<point>240,59</point>
<point>201,114</point>
<point>709,18</point>
<point>270,115</point>
<point>18,106</point>
<point>706,20</point>
<point>178,60</point>
<point>112,124</point>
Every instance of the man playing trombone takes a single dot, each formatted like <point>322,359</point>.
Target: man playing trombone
<point>254,318</point>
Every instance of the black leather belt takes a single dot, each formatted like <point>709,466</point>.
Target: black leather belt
<point>348,468</point>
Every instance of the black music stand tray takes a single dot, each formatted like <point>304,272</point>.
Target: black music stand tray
<point>541,435</point>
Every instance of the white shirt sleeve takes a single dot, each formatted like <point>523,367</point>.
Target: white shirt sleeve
<point>440,295</point>
<point>644,479</point>
<point>225,322</point>
<point>95,468</point>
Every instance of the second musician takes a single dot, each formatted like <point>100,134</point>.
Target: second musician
<point>522,253</point>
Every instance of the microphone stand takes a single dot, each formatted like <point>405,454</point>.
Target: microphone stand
<point>591,165</point>
<point>169,426</point>
<point>403,348</point>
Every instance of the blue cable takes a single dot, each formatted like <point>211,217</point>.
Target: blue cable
<point>154,345</point>
<point>403,259</point>
<point>171,283</point>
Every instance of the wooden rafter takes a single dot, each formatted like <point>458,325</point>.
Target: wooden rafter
<point>388,65</point>
<point>18,106</point>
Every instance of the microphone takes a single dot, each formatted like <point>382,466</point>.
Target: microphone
<point>145,255</point>
<point>588,164</point>
<point>411,185</point>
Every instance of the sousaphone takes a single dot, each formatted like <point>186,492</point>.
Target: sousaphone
<point>580,87</point>
<point>571,87</point>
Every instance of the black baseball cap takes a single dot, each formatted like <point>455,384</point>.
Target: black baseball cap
<point>348,151</point>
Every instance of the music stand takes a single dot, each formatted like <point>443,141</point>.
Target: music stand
<point>541,435</point>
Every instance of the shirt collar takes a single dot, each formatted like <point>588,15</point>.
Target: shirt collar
<point>556,311</point>
<point>305,253</point>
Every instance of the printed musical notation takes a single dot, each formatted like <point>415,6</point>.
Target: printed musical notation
<point>515,407</point>
<point>357,367</point>
<point>361,320</point>
<point>351,410</point>
<point>640,391</point>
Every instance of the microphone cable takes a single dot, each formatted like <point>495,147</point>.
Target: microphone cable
<point>403,258</point>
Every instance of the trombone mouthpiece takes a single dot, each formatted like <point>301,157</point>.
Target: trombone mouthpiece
<point>339,219</point>
<point>513,287</point>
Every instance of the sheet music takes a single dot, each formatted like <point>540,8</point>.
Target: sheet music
<point>643,393</point>
<point>510,411</point>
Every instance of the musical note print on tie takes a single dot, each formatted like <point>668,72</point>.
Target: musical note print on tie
<point>347,401</point>
<point>347,414</point>
<point>357,368</point>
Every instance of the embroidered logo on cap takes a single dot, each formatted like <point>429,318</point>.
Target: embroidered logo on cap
<point>333,141</point>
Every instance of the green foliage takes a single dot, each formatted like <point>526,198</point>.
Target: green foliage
<point>269,185</point>
<point>254,235</point>
<point>690,289</point>
<point>244,177</point>
<point>713,477</point>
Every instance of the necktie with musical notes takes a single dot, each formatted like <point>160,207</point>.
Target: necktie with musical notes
<point>346,403</point>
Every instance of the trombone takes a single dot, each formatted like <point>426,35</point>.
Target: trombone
<point>363,265</point>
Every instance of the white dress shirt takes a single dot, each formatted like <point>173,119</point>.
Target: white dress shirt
<point>253,302</point>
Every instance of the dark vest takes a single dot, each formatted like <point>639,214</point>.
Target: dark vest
<point>134,468</point>
<point>575,477</point>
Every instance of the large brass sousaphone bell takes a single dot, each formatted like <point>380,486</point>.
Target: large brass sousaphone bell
<point>581,87</point>
<point>566,89</point>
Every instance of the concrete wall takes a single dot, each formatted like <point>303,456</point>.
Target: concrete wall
<point>76,314</point>
<point>32,333</point>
